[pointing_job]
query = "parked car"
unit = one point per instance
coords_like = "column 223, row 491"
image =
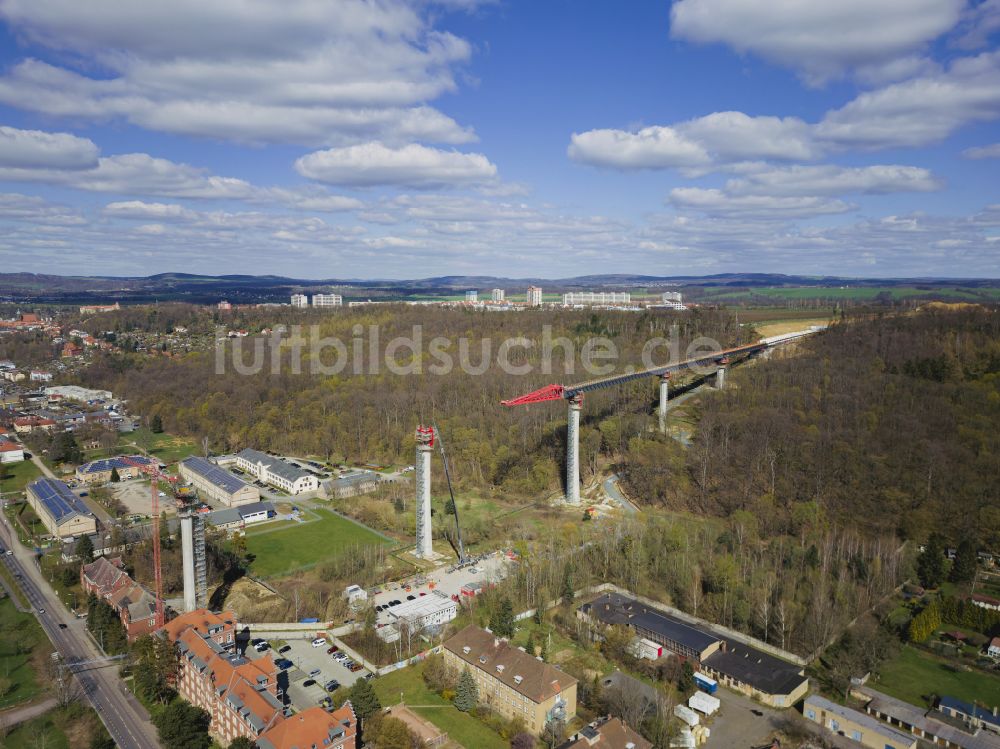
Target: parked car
column 256, row 640
column 355, row 667
column 283, row 663
column 308, row 682
column 315, row 672
column 332, row 686
column 411, row 598
column 319, row 642
column 284, row 648
column 331, row 649
column 261, row 647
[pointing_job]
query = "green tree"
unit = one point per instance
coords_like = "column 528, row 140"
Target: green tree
column 529, row 646
column 466, row 694
column 392, row 733
column 85, row 549
column 69, row 577
column 181, row 725
column 522, row 740
column 242, row 742
column 64, row 448
column 930, row 563
column 964, row 568
column 567, row 593
column 544, row 655
column 685, row 680
column 502, row 622
column 364, row 699
column 156, row 424
column 115, row 478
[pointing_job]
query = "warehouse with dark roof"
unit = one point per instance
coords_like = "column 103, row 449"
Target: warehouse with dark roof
column 217, row 483
column 740, row 667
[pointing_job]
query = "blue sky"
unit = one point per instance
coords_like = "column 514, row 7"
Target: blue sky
column 398, row 139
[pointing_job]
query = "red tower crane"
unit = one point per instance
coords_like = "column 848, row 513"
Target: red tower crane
column 152, row 470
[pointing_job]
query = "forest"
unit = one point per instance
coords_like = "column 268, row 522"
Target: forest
column 370, row 418
column 888, row 424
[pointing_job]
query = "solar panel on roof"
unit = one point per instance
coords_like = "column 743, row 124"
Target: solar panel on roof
column 57, row 498
column 215, row 475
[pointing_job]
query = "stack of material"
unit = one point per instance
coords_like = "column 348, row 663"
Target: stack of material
column 704, row 703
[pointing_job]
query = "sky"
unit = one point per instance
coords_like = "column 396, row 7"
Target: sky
column 414, row 138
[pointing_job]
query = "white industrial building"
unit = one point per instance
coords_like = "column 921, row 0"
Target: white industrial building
column 574, row 298
column 77, row 393
column 276, row 472
column 217, row 483
column 327, row 300
column 425, row 611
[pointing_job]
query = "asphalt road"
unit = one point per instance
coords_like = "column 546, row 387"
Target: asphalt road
column 126, row 720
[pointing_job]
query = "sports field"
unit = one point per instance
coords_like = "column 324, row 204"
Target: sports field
column 284, row 548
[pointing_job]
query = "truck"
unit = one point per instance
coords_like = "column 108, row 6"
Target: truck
column 705, row 683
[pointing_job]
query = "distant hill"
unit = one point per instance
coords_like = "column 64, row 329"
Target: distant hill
column 240, row 288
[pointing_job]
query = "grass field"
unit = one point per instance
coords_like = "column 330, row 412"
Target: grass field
column 780, row 327
column 62, row 728
column 914, row 676
column 20, row 634
column 461, row 727
column 18, row 475
column 296, row 545
column 852, row 293
column 167, row 447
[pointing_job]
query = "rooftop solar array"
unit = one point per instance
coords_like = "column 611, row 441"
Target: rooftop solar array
column 58, row 499
column 212, row 473
column 107, row 464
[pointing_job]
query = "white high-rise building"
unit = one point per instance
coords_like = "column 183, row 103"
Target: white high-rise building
column 300, row 300
column 534, row 296
column 596, row 297
column 673, row 300
column 327, row 300
column 498, row 295
column 472, row 296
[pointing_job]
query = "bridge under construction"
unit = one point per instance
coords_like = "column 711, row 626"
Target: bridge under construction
column 573, row 394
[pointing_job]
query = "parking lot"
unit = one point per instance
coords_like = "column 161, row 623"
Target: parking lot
column 489, row 569
column 135, row 496
column 305, row 659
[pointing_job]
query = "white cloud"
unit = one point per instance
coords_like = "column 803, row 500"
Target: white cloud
column 919, row 111
column 378, row 164
column 648, row 148
column 33, row 149
column 820, row 39
column 305, row 71
column 991, row 151
column 754, row 207
column 137, row 209
column 829, row 179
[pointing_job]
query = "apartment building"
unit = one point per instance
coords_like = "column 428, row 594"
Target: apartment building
column 534, row 296
column 276, row 472
column 574, row 298
column 512, row 682
column 300, row 300
column 135, row 606
column 314, row 727
column 497, row 295
column 327, row 300
column 220, row 627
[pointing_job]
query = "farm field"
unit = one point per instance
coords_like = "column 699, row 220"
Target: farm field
column 461, row 727
column 20, row 635
column 18, row 475
column 780, row 327
column 914, row 675
column 293, row 546
column 853, row 293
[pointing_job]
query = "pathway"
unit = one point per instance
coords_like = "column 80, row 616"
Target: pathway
column 15, row 715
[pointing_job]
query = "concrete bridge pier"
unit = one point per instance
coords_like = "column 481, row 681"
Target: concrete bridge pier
column 573, row 450
column 664, row 394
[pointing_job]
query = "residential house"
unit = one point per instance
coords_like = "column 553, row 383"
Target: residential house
column 31, row 424
column 607, row 733
column 135, row 606
column 992, row 650
column 931, row 727
column 974, row 716
column 511, row 681
column 10, row 452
